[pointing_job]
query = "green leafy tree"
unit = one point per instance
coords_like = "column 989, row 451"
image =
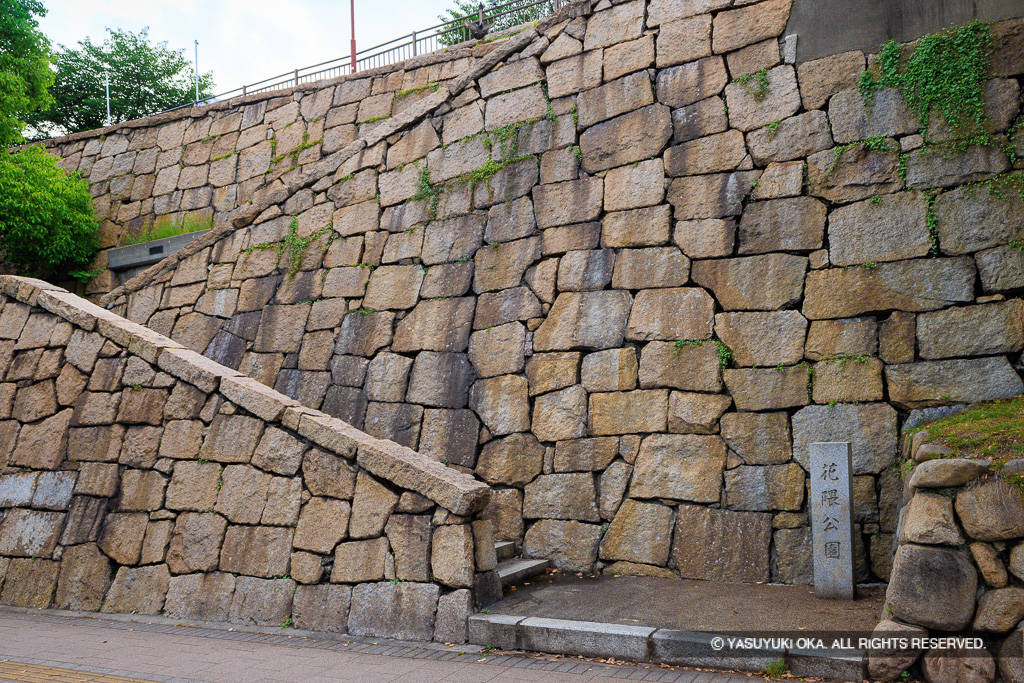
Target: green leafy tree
column 25, row 72
column 511, row 14
column 145, row 78
column 47, row 224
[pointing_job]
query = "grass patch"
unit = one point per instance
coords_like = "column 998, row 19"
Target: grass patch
column 991, row 430
column 166, row 226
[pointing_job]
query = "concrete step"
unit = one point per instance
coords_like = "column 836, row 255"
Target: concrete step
column 632, row 643
column 516, row 570
column 506, row 550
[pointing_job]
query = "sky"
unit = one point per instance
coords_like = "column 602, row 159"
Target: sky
column 244, row 41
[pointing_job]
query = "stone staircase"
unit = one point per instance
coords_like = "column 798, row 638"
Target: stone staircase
column 512, row 569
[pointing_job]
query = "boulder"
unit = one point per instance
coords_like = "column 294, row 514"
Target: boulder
column 999, row 611
column 991, row 511
column 641, row 532
column 889, row 663
column 721, row 545
column 946, row 473
column 932, row 587
column 679, row 467
column 402, row 610
column 571, row 546
column 966, row 666
column 929, row 520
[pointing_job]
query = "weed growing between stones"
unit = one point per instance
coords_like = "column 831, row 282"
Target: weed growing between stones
column 777, row 668
column 932, row 220
column 756, row 84
column 773, row 128
column 293, row 244
column 945, row 74
column 294, row 154
column 431, row 86
column 724, row 352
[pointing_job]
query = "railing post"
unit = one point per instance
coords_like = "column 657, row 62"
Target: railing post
column 244, row 93
column 414, row 43
column 296, row 78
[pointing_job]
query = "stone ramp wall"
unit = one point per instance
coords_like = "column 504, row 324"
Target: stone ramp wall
column 217, row 161
column 958, row 571
column 137, row 476
column 626, row 289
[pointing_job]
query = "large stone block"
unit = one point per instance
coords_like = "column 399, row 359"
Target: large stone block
column 752, row 24
column 870, row 429
column 562, row 496
column 43, row 445
column 711, row 154
column 585, row 455
column 450, row 436
column 499, row 350
column 768, row 389
column 576, row 201
column 711, row 196
column 452, row 555
column 363, row 334
column 696, row 413
column 796, row 224
column 360, row 561
column 932, row 587
column 200, row 597
column 243, row 494
column 641, row 532
column 686, row 84
column 847, row 380
column 139, row 590
column 628, row 412
column 611, row 370
column 750, row 107
column 760, row 283
column 834, row 338
column 916, row 285
column 758, row 438
column 372, row 505
column 322, row 608
column 440, row 379
column 641, row 268
column 585, row 319
column 935, row 383
column 888, row 116
column 631, row 187
column 763, row 339
column 616, row 25
column 30, row 533
column 983, row 330
column 322, row 524
column 571, row 546
column 261, row 602
column 676, row 313
column 85, row 576
column 231, row 438
column 502, row 403
column 794, row 558
column 690, row 367
column 638, row 135
column 435, row 325
column 765, row 489
column 614, row 98
column 515, row 460
column 890, row 228
column 560, row 415
column 679, row 467
column 991, row 511
column 30, row 583
column 196, row 543
column 256, row 551
column 405, row 610
column 720, row 545
column 409, row 536
column 858, row 173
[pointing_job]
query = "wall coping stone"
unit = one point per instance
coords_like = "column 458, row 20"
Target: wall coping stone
column 456, row 491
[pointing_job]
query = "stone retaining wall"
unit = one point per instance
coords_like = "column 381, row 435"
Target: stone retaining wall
column 959, row 570
column 623, row 287
column 137, row 476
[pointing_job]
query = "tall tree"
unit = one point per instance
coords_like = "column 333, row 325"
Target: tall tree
column 25, row 71
column 504, row 14
column 145, row 78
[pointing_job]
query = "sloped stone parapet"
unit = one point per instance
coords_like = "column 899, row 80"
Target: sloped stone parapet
column 226, row 488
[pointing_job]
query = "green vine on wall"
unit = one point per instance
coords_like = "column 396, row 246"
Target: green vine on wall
column 944, row 74
column 293, row 244
column 756, row 84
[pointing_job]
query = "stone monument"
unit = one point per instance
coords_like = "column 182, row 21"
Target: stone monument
column 832, row 520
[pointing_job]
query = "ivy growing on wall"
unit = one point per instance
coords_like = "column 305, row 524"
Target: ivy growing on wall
column 943, row 74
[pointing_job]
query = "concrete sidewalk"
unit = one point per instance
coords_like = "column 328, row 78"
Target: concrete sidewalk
column 58, row 647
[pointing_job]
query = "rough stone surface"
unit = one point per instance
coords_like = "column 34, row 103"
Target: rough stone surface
column 571, row 546
column 720, row 545
column 932, row 587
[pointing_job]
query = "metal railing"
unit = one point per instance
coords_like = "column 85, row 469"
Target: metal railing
column 411, row 45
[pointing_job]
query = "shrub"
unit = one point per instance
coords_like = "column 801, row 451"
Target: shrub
column 47, row 224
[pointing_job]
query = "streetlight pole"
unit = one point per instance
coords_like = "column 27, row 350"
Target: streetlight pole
column 108, row 97
column 197, row 72
column 353, row 36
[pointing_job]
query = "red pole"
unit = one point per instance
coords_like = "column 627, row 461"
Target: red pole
column 353, row 36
